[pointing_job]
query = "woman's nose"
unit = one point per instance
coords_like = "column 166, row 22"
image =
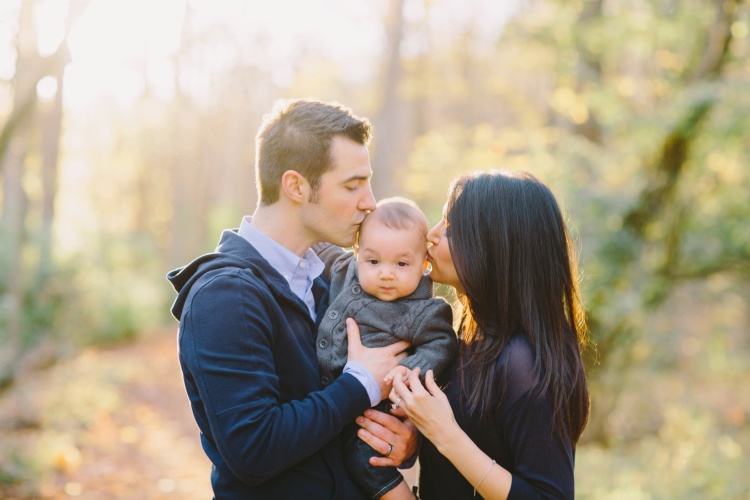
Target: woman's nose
column 433, row 237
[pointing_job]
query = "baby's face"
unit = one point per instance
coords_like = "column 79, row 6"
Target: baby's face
column 390, row 261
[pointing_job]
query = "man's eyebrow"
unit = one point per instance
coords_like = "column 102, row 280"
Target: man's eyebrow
column 357, row 178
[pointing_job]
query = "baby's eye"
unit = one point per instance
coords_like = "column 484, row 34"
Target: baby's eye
column 403, row 264
column 374, row 262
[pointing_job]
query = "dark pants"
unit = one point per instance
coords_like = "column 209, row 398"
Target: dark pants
column 373, row 481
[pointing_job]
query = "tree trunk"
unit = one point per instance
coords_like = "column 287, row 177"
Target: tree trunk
column 51, row 118
column 14, row 196
column 589, row 69
column 389, row 141
column 51, row 123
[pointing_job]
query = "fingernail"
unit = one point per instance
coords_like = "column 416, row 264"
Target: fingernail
column 360, row 420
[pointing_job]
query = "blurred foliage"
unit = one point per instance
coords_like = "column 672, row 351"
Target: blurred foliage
column 680, row 429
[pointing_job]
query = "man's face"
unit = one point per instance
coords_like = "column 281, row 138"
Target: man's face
column 344, row 195
column 390, row 262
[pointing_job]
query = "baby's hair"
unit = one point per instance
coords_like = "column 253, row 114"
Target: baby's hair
column 397, row 213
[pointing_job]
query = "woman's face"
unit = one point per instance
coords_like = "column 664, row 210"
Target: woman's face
column 439, row 257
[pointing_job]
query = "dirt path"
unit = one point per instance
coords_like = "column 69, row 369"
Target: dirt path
column 107, row 424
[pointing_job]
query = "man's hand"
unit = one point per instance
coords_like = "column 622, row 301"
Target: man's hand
column 379, row 360
column 380, row 430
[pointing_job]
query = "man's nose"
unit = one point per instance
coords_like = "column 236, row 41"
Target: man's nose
column 368, row 200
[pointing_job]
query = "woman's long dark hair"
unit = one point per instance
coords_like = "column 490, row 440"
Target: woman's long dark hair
column 515, row 260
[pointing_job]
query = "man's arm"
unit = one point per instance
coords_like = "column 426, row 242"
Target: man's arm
column 243, row 357
column 246, row 360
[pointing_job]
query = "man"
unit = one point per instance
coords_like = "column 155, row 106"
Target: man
column 249, row 313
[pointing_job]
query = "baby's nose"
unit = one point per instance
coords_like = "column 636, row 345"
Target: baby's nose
column 386, row 273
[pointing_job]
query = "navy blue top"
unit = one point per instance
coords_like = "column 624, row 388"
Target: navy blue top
column 519, row 437
column 247, row 352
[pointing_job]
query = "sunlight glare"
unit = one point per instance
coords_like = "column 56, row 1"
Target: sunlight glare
column 49, row 17
column 8, row 29
column 114, row 44
column 46, row 88
column 347, row 32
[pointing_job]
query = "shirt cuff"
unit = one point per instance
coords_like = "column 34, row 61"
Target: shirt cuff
column 366, row 378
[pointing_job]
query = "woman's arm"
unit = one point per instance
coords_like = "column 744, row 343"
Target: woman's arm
column 428, row 408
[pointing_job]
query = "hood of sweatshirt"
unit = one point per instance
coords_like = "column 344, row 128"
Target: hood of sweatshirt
column 233, row 251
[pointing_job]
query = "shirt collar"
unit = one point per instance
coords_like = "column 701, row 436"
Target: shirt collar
column 280, row 257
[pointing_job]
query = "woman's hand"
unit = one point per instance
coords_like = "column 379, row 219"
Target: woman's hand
column 429, row 409
column 381, row 431
column 400, row 371
column 426, row 406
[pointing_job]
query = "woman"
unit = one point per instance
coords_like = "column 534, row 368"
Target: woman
column 517, row 402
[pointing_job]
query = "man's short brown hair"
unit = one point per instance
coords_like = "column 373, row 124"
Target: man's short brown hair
column 297, row 136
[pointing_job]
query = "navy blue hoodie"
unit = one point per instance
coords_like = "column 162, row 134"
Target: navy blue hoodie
column 247, row 350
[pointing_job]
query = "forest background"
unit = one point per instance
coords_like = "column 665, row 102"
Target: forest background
column 127, row 144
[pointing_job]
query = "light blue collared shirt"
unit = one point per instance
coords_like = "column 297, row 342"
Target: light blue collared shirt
column 300, row 272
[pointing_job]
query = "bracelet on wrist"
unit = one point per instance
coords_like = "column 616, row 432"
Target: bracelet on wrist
column 483, row 477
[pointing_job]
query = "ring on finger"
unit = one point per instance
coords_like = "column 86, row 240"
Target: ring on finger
column 390, row 450
column 398, row 402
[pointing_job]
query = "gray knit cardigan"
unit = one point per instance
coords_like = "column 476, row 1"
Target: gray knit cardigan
column 421, row 319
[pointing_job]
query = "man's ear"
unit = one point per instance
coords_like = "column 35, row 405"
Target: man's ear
column 294, row 186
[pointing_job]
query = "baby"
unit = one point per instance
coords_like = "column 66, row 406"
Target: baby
column 384, row 286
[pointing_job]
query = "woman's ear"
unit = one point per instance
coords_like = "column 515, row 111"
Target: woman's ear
column 294, row 186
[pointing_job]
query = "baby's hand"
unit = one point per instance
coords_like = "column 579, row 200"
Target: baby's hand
column 400, row 371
